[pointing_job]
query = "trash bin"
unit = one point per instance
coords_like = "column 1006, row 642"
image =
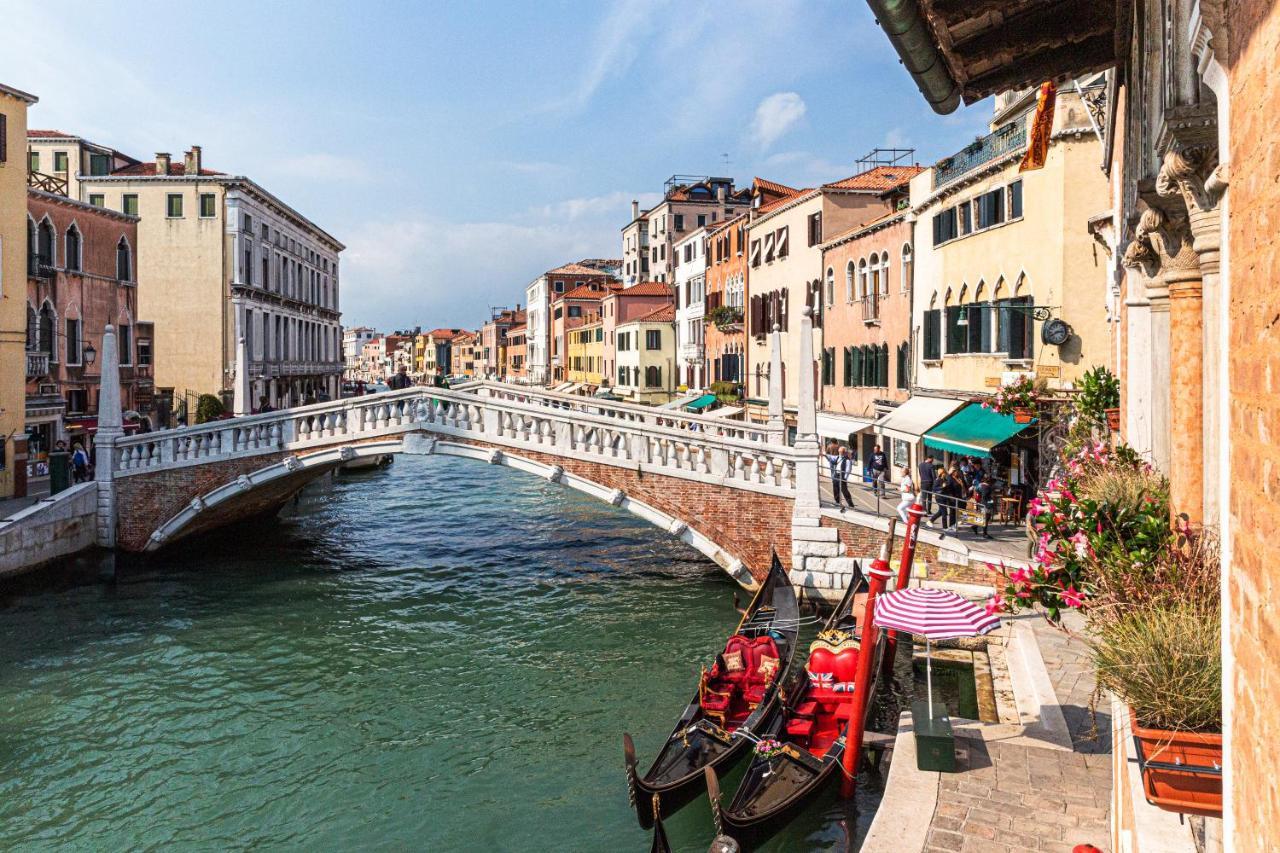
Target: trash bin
column 59, row 471
column 935, row 742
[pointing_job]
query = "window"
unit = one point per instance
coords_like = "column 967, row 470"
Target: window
column 815, row 228
column 247, row 270
column 208, row 206
column 173, row 206
column 1015, row 200
column 59, row 161
column 99, row 164
column 144, row 352
column 1015, row 328
column 248, row 220
column 74, row 345
column 903, row 379
column 653, row 376
column 831, row 286
column 966, row 218
column 97, row 199
column 125, row 335
column 990, row 208
column 829, row 366
column 72, row 254
column 908, row 267
column 33, row 157
column 933, row 334
column 124, row 262
column 702, row 220
column 653, row 339
column 129, row 204
column 783, row 233
column 679, row 221
column 44, row 243
column 944, row 226
column 755, row 252
column 558, row 287
column 575, row 310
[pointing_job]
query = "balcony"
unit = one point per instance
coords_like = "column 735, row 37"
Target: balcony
column 56, row 184
column 871, row 308
column 37, row 364
column 1004, row 140
column 39, row 266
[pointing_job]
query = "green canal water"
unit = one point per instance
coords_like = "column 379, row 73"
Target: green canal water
column 439, row 656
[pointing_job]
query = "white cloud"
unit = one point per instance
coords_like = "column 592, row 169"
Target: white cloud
column 776, row 115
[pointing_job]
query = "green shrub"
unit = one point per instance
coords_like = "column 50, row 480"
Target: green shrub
column 1099, row 391
column 208, row 408
column 1166, row 663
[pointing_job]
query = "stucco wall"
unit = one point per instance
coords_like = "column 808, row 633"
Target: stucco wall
column 49, row 529
column 13, row 283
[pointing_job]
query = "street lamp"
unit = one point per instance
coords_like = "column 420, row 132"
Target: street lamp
column 89, row 354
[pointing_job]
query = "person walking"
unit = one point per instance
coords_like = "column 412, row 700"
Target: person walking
column 984, row 497
column 80, row 463
column 926, row 483
column 879, row 471
column 906, row 492
column 400, row 380
column 840, row 483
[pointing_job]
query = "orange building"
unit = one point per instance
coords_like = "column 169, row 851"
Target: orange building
column 726, row 295
column 516, row 349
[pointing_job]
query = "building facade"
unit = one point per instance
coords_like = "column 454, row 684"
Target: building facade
column 725, row 342
column 517, row 354
column 353, row 341
column 491, row 357
column 570, row 310
column 585, row 353
column 689, row 202
column 626, row 305
column 13, row 277
column 690, row 260
column 645, row 354
column 60, row 162
column 224, row 259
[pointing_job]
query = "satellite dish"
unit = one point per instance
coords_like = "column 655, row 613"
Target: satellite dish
column 1055, row 333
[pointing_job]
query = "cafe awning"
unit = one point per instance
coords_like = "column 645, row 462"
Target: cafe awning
column 701, row 403
column 727, row 412
column 916, row 417
column 973, row 431
column 680, row 402
column 838, row 425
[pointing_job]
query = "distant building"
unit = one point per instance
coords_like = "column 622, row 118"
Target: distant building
column 464, row 353
column 570, row 310
column 353, row 341
column 725, row 342
column 516, row 353
column 491, row 357
column 690, row 259
column 645, row 356
column 545, row 290
column 624, row 306
column 689, row 202
column 585, row 355
column 61, row 162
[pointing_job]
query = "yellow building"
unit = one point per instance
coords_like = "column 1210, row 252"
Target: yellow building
column 13, row 287
column 585, row 354
column 220, row 258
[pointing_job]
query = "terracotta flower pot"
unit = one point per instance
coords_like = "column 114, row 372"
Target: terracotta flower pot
column 1113, row 420
column 1196, row 790
column 1023, row 415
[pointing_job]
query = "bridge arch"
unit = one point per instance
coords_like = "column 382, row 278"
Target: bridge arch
column 268, row 487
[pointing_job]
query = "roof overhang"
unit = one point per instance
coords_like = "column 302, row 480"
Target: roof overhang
column 970, row 49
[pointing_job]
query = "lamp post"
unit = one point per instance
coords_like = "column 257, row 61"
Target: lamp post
column 89, row 355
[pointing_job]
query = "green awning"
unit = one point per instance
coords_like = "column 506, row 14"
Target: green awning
column 973, row 431
column 701, row 403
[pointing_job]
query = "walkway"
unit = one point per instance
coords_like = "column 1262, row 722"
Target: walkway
column 1012, row 797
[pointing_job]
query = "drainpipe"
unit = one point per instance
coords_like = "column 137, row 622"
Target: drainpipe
column 905, row 26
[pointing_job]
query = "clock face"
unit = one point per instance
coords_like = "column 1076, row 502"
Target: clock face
column 1055, row 333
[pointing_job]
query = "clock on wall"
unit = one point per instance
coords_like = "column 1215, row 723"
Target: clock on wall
column 1055, row 333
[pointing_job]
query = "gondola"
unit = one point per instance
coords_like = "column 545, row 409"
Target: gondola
column 738, row 694
column 811, row 729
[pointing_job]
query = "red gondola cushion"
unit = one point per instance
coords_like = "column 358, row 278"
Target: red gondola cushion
column 800, row 727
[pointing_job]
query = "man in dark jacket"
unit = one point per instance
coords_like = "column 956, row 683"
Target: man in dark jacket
column 879, row 470
column 400, row 380
column 925, row 470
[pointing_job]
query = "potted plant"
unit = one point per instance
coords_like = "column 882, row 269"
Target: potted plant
column 1020, row 398
column 723, row 316
column 1099, row 400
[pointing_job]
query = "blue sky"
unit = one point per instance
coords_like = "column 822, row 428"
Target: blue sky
column 460, row 149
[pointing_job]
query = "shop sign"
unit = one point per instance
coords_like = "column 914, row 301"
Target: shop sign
column 993, row 382
column 1048, row 371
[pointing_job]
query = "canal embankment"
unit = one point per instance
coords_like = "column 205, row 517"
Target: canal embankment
column 49, row 529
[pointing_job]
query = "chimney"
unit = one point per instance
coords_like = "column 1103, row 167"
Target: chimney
column 720, row 193
column 162, row 163
column 193, row 160
column 517, row 306
column 635, row 210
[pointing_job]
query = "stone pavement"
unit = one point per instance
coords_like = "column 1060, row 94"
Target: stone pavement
column 1012, row 797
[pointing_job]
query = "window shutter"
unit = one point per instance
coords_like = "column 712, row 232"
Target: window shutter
column 4, row 138
column 884, row 366
column 782, row 241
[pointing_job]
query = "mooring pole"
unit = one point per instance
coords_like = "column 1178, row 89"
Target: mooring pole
column 904, row 577
column 878, row 576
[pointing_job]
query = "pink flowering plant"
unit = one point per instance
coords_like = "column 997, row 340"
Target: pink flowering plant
column 1021, row 393
column 768, row 747
column 1102, row 536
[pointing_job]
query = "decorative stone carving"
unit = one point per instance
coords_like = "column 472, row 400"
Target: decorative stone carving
column 197, row 504
column 244, row 483
column 555, row 474
column 347, row 453
column 1190, row 173
column 292, row 463
column 495, row 456
column 1161, row 247
column 158, row 537
column 617, row 497
column 678, row 527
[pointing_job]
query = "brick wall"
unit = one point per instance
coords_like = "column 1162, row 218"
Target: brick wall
column 1254, row 572
column 862, row 541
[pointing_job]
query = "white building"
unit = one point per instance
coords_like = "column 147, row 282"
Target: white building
column 353, row 341
column 537, row 358
column 690, row 271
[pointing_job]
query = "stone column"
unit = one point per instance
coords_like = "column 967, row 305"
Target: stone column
column 1191, row 176
column 806, row 422
column 110, row 430
column 775, row 384
column 243, row 405
column 1162, row 247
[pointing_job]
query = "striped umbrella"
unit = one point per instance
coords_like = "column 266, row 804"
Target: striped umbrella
column 934, row 614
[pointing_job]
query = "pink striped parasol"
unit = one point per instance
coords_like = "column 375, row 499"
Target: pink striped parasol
column 934, row 614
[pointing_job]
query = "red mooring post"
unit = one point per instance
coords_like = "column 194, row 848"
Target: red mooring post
column 878, row 576
column 909, row 538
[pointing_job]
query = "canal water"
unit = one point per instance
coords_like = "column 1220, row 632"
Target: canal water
column 439, row 656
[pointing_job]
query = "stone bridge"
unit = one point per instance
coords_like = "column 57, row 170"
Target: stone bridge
column 735, row 491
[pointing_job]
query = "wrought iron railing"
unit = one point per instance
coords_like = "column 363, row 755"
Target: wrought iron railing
column 1004, row 140
column 871, row 307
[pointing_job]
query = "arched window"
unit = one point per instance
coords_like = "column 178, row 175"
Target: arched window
column 33, row 329
column 862, row 279
column 884, row 273
column 44, row 243
column 48, row 322
column 124, row 261
column 32, row 247
column 908, row 267
column 72, row 253
column 831, row 286
column 848, row 282
column 875, row 274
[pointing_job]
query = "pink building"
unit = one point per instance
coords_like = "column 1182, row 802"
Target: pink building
column 624, row 306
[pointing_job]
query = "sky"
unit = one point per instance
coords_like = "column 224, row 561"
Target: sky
column 459, row 150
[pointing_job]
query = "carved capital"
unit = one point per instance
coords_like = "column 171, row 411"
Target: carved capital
column 1162, row 245
column 1187, row 171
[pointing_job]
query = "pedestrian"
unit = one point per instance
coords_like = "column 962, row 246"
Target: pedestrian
column 400, row 380
column 79, row 463
column 264, row 405
column 879, row 471
column 840, row 484
column 984, row 497
column 906, row 492
column 926, row 483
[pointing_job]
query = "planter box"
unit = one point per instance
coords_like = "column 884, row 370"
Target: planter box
column 1023, row 416
column 1181, row 771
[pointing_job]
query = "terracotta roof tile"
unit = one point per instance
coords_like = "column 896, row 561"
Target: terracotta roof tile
column 146, row 170
column 49, row 134
column 796, row 195
column 878, row 179
column 586, row 292
column 661, row 314
column 773, row 187
column 647, row 288
column 443, row 333
column 575, row 269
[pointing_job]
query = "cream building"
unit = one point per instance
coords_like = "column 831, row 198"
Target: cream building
column 13, row 286
column 1003, row 257
column 57, row 161
column 645, row 353
column 222, row 258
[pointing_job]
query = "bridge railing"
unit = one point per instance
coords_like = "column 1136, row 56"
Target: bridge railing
column 629, row 411
column 684, row 449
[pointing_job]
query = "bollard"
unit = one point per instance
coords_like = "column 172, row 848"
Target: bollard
column 879, row 575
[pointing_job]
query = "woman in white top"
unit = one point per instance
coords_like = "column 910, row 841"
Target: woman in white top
column 907, row 488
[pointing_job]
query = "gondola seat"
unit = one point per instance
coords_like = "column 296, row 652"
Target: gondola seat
column 800, row 727
column 724, row 683
column 765, row 662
